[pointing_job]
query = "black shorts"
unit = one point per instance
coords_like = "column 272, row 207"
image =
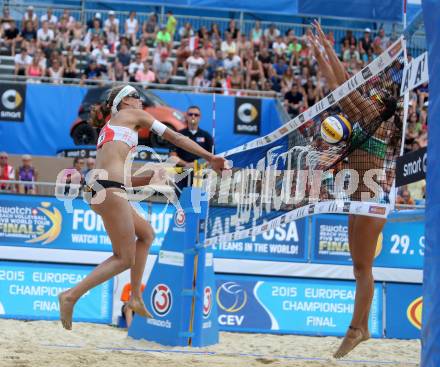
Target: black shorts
column 102, row 184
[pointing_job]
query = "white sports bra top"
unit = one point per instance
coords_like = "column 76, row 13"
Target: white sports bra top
column 117, row 133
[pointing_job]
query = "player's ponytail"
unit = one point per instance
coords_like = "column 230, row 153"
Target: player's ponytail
column 99, row 112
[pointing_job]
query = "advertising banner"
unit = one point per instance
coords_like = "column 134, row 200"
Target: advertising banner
column 411, row 167
column 32, row 221
column 401, row 244
column 285, row 243
column 404, row 305
column 12, row 102
column 30, row 291
column 291, row 305
column 43, row 222
column 247, row 116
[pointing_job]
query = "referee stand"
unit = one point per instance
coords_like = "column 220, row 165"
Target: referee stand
column 180, row 292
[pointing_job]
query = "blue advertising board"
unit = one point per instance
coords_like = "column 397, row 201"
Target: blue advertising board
column 288, row 242
column 291, row 305
column 403, row 310
column 30, row 291
column 401, row 244
column 43, row 222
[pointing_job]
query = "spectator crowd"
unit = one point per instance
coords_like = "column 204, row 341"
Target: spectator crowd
column 125, row 50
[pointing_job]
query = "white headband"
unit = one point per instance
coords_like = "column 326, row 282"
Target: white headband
column 124, row 92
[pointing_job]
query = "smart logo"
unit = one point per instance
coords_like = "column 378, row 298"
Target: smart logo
column 161, row 299
column 11, row 99
column 247, row 113
column 12, row 102
column 207, row 302
column 414, row 312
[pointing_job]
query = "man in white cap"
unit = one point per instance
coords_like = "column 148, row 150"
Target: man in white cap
column 97, row 17
column 30, row 15
column 365, row 43
column 111, row 21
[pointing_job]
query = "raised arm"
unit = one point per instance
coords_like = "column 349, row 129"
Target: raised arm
column 144, row 119
column 354, row 104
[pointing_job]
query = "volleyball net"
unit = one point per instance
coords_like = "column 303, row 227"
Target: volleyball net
column 294, row 172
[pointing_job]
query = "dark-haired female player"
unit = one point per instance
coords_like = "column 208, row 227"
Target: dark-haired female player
column 369, row 153
column 130, row 234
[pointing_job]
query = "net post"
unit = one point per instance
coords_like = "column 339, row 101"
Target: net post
column 180, row 292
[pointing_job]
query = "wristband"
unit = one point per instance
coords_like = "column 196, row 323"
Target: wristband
column 158, row 128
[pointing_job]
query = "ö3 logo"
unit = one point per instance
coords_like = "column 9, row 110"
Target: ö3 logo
column 207, row 302
column 161, row 299
column 179, row 218
column 231, row 297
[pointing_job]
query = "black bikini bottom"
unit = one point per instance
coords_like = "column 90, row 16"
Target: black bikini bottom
column 102, row 184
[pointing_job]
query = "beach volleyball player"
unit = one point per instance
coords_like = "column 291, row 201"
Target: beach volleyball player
column 363, row 231
column 130, row 235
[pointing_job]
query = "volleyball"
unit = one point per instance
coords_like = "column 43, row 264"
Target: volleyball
column 335, row 129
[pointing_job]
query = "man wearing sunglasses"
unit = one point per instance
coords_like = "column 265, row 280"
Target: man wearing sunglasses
column 199, row 136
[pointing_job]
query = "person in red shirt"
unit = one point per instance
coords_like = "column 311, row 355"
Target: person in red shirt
column 7, row 172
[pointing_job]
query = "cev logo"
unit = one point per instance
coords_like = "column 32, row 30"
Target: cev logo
column 379, row 245
column 231, row 297
column 414, row 312
column 179, row 218
column 11, row 99
column 207, row 302
column 161, row 299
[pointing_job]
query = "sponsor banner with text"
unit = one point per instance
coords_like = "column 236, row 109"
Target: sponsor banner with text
column 43, row 222
column 286, row 242
column 30, row 291
column 400, row 245
column 291, row 305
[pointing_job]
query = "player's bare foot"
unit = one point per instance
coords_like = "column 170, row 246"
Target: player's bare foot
column 138, row 306
column 66, row 310
column 352, row 339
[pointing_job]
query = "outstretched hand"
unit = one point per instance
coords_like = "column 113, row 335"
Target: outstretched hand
column 320, row 35
column 316, row 48
column 218, row 164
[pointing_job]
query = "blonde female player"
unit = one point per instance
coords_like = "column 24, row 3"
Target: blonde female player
column 130, row 234
column 363, row 231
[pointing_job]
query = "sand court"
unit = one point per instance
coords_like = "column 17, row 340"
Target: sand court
column 46, row 343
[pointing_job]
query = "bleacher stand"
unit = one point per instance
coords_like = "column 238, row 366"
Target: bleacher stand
column 53, row 46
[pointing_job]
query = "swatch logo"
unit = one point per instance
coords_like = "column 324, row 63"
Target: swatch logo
column 414, row 312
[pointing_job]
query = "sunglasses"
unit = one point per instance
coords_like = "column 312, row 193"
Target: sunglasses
column 193, row 114
column 3, row 157
column 134, row 95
